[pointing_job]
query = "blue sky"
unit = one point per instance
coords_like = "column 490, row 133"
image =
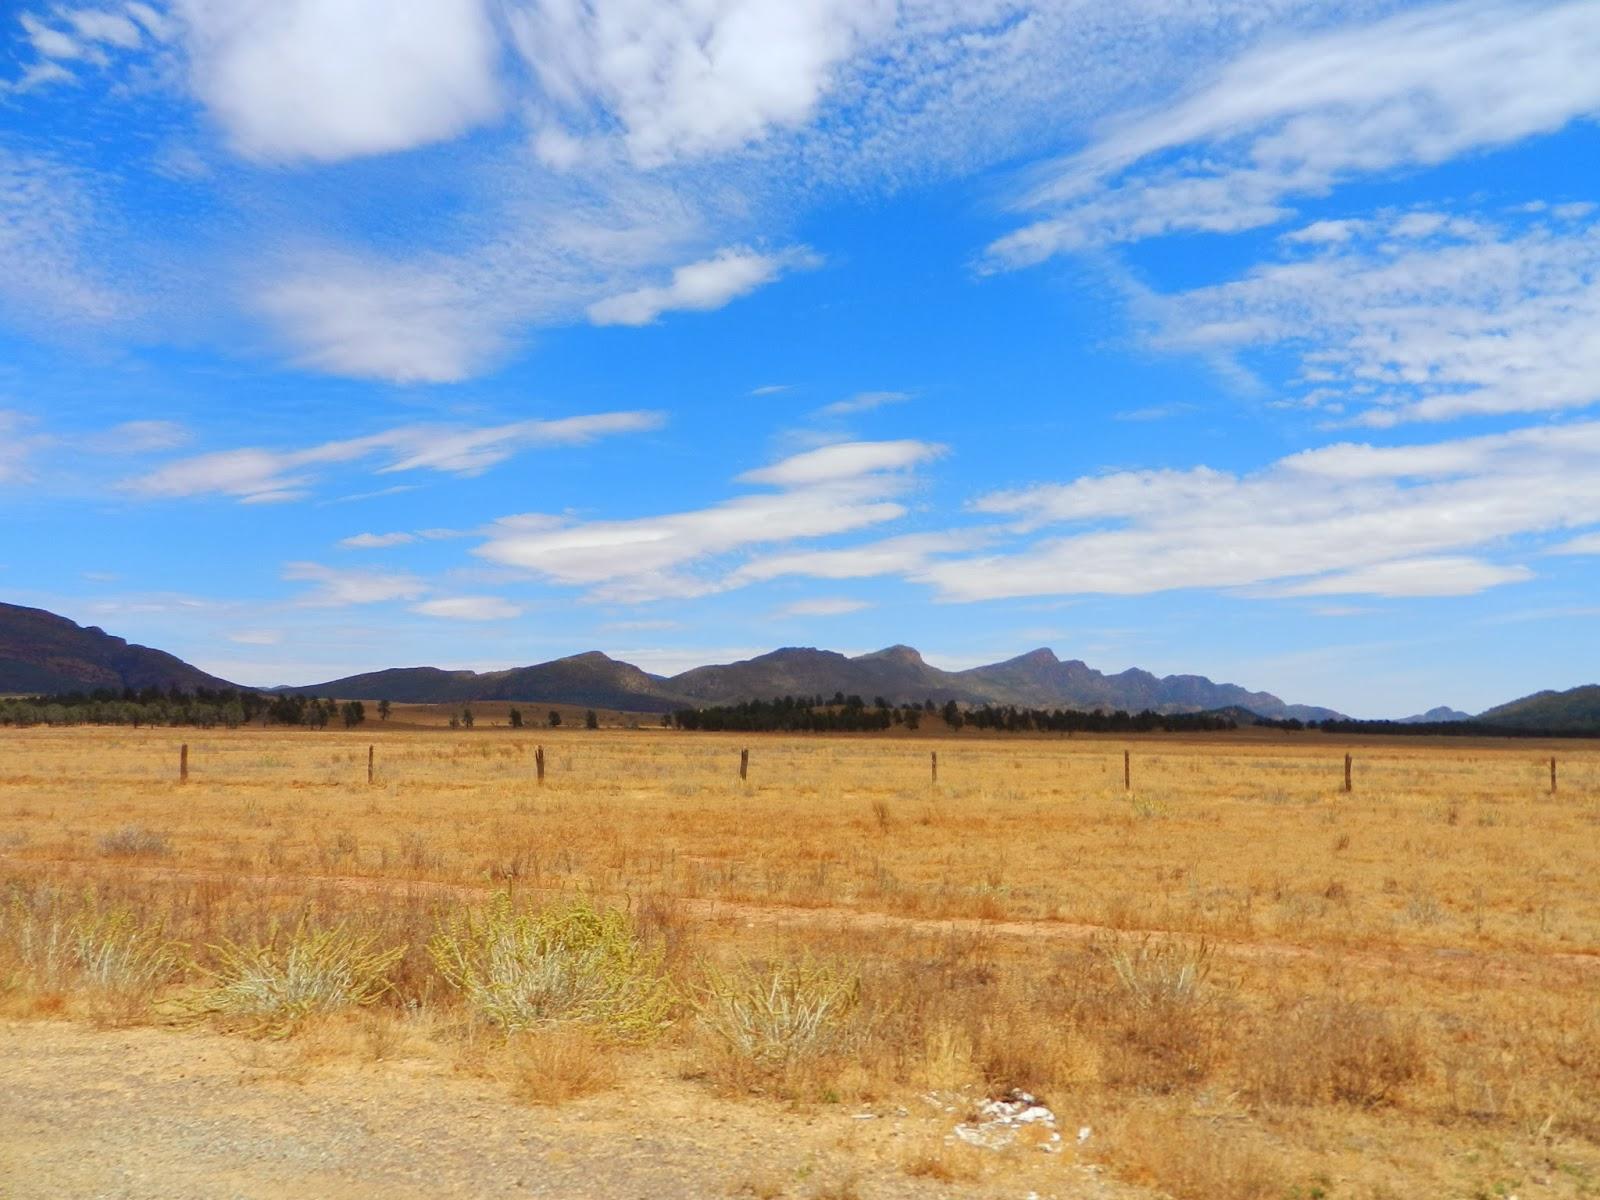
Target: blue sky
column 1249, row 339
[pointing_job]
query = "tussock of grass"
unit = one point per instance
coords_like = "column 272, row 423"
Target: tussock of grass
column 54, row 942
column 271, row 988
column 773, row 1017
column 135, row 841
column 1161, row 973
column 573, row 963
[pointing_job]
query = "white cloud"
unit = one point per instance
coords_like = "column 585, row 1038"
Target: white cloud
column 334, row 79
column 136, row 437
column 685, row 78
column 1345, row 518
column 771, row 389
column 1589, row 543
column 49, row 222
column 47, row 40
column 863, row 402
column 1447, row 576
column 17, row 446
column 377, row 541
column 469, row 608
column 831, row 491
column 266, row 476
column 822, row 607
column 1298, row 117
column 907, row 554
column 103, row 25
column 256, row 637
column 400, row 323
column 338, row 588
column 1422, row 316
column 700, row 286
column 844, row 461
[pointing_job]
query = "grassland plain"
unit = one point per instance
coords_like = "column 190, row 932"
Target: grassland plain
column 1237, row 979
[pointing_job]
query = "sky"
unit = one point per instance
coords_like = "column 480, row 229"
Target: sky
column 1257, row 339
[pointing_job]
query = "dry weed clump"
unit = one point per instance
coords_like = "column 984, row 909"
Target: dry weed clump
column 135, row 841
column 769, row 1023
column 558, row 1064
column 575, row 962
column 1332, row 1050
column 270, row 988
column 1191, row 1157
column 53, row 944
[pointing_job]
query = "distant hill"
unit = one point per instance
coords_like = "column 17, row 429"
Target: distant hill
column 897, row 674
column 46, row 654
column 591, row 679
column 1436, row 716
column 1574, row 711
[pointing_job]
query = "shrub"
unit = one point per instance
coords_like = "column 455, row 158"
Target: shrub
column 1336, row 1050
column 135, row 841
column 123, row 962
column 574, row 962
column 775, row 1016
column 271, row 988
column 1161, row 972
column 53, row 944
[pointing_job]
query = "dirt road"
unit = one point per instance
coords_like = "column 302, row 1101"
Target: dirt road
column 188, row 1115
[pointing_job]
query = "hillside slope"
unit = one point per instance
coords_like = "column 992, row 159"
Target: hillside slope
column 41, row 652
column 1576, row 710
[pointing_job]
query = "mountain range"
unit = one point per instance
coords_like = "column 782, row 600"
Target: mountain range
column 898, row 674
column 43, row 653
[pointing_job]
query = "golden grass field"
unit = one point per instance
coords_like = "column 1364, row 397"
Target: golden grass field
column 1241, row 981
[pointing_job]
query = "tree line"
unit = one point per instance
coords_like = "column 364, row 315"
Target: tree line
column 851, row 714
column 203, row 708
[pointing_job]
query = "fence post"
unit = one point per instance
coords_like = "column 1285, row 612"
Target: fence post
column 538, row 763
column 744, row 764
column 935, row 763
column 369, row 765
column 1552, row 774
column 183, row 763
column 1347, row 773
column 1127, row 771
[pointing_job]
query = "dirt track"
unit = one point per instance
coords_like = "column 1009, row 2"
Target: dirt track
column 151, row 1114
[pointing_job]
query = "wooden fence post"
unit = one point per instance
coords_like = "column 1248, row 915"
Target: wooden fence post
column 1127, row 771
column 935, row 763
column 183, row 763
column 744, row 764
column 369, row 765
column 1347, row 773
column 538, row 763
column 1552, row 774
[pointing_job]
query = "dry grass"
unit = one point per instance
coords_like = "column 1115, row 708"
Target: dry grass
column 1241, row 979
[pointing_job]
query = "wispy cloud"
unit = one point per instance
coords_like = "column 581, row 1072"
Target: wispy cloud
column 1295, row 119
column 700, row 286
column 833, row 490
column 377, row 541
column 862, row 402
column 469, row 608
column 823, row 606
column 264, row 476
column 1344, row 519
column 335, row 588
column 1417, row 316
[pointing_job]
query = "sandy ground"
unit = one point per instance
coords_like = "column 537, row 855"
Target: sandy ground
column 184, row 1115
